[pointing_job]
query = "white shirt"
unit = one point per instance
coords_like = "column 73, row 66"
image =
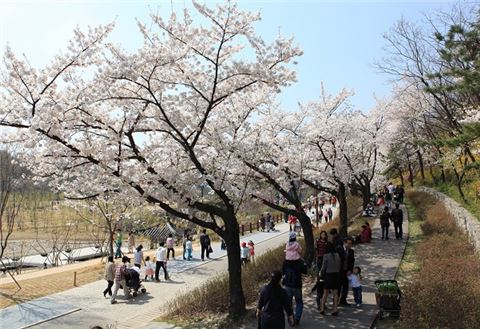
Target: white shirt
column 391, row 189
column 188, row 245
column 245, row 252
column 354, row 280
column 161, row 254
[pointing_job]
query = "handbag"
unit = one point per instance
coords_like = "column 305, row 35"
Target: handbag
column 210, row 250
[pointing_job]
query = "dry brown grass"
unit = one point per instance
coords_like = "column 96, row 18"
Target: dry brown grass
column 445, row 293
column 43, row 286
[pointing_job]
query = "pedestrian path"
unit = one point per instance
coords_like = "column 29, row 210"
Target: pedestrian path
column 90, row 308
column 378, row 260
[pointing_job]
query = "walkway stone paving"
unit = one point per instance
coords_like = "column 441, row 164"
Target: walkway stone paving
column 137, row 312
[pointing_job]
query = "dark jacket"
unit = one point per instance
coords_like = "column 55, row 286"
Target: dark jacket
column 349, row 260
column 204, row 240
column 397, row 216
column 385, row 218
column 273, row 301
column 292, row 273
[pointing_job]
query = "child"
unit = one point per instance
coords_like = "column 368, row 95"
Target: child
column 148, row 268
column 244, row 253
column 293, row 248
column 170, row 243
column 251, row 247
column 354, row 279
column 189, row 248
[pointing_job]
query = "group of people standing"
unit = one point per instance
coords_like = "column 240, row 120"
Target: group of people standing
column 116, row 274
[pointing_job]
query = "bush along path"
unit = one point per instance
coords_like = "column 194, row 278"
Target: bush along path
column 448, row 273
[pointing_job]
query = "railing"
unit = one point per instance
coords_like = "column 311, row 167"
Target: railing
column 250, row 227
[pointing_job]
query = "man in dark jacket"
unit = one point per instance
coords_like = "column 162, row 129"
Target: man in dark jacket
column 205, row 244
column 385, row 218
column 397, row 218
column 347, row 255
column 292, row 281
column 272, row 303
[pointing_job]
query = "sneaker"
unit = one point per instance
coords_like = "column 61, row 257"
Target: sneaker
column 358, row 305
column 113, row 301
column 296, row 322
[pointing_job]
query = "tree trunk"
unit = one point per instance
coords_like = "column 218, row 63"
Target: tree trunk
column 434, row 178
column 400, row 174
column 459, row 184
column 342, row 200
column 308, row 236
column 110, row 242
column 420, row 162
column 366, row 193
column 411, row 174
column 444, row 178
column 237, row 300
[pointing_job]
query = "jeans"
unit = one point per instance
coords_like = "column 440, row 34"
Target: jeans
column 357, row 295
column 109, row 288
column 168, row 252
column 398, row 230
column 297, row 294
column 157, row 269
column 118, row 252
column 384, row 232
column 189, row 254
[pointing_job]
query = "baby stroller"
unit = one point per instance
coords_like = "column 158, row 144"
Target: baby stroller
column 134, row 284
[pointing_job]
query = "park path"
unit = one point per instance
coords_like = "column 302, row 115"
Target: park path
column 379, row 260
column 84, row 307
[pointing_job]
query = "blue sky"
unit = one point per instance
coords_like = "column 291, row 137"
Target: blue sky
column 340, row 39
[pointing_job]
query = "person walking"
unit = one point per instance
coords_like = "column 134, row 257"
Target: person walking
column 330, row 214
column 205, row 244
column 397, row 218
column 120, row 280
column 251, row 247
column 273, row 304
column 385, row 218
column 348, row 262
column 244, row 253
column 189, row 247
column 161, row 261
column 131, row 242
column 109, row 276
column 330, row 273
column 400, row 193
column 138, row 257
column 149, row 271
column 118, row 244
column 170, row 246
column 320, row 247
column 292, row 281
column 184, row 242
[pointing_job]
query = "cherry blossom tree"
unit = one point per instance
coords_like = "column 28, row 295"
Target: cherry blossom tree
column 161, row 121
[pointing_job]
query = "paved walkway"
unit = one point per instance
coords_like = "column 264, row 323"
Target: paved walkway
column 378, row 260
column 87, row 307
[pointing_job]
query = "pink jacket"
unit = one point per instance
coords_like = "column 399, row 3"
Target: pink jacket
column 293, row 250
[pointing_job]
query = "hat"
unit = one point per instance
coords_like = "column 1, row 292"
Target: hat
column 292, row 235
column 244, row 244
